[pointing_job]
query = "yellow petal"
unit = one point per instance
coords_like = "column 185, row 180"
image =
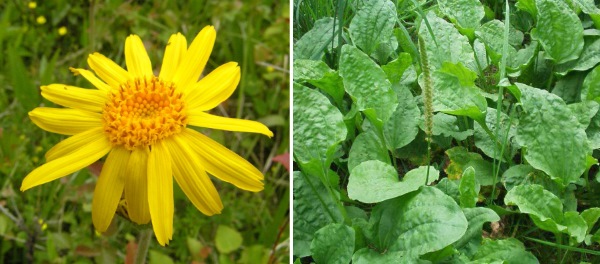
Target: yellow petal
column 136, row 57
column 108, row 70
column 160, row 192
column 202, row 119
column 195, row 58
column 65, row 121
column 174, row 54
column 71, row 144
column 109, row 188
column 75, row 97
column 224, row 163
column 192, row 178
column 91, row 77
column 94, row 149
column 215, row 88
column 136, row 187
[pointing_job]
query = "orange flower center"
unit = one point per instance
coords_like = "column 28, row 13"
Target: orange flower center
column 143, row 111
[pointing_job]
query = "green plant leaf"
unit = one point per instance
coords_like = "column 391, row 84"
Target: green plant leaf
column 584, row 112
column 476, row 217
column 313, row 209
column 321, row 76
column 558, row 30
column 486, row 144
column 561, row 153
column 576, row 226
column 368, row 256
column 25, row 91
column 590, row 57
column 318, row 125
column 468, row 189
column 373, row 24
column 395, row 69
column 334, row 243
column 455, row 93
column 491, row 34
column 543, row 207
column 451, row 45
column 374, row 181
column 312, row 44
column 506, row 250
column 461, row 159
column 591, row 216
column 402, row 127
column 447, row 126
column 591, row 86
column 367, row 83
column 467, row 13
column 227, row 239
column 367, row 146
column 417, row 223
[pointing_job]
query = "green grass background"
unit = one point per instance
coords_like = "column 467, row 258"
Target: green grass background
column 52, row 223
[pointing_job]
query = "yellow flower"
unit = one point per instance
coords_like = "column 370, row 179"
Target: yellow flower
column 142, row 122
column 62, row 31
column 41, row 20
column 32, row 5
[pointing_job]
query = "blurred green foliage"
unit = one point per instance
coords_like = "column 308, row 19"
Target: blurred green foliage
column 52, row 223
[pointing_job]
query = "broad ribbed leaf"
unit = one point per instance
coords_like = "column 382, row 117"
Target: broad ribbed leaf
column 373, row 24
column 543, row 207
column 417, row 223
column 374, row 181
column 558, row 30
column 321, row 76
column 488, row 146
column 591, row 86
column 467, row 13
column 451, row 45
column 318, row 125
column 333, row 244
column 508, row 250
column 590, row 57
column 402, row 127
column 367, row 146
column 476, row 217
column 312, row 208
column 312, row 44
column 553, row 137
column 368, row 256
column 468, row 189
column 366, row 83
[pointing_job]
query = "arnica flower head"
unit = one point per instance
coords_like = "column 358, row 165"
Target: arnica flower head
column 142, row 122
column 62, row 31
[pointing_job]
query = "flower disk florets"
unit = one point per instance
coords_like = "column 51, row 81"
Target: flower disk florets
column 143, row 111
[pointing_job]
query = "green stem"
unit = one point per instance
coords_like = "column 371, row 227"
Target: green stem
column 143, row 245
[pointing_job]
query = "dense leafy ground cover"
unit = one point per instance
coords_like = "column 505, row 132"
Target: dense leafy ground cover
column 449, row 131
column 52, row 223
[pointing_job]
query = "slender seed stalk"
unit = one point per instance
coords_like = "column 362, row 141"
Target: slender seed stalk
column 428, row 101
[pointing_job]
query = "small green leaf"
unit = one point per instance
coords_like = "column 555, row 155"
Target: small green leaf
column 402, row 127
column 318, row 125
column 395, row 69
column 488, row 146
column 468, row 189
column 527, row 6
column 491, row 34
column 558, row 30
column 373, row 24
column 334, row 243
column 508, row 250
column 313, row 209
column 227, row 239
column 467, row 13
column 367, row 83
column 367, row 146
column 374, row 181
column 584, row 112
column 447, row 126
column 419, row 222
column 591, row 216
column 461, row 159
column 591, row 86
column 312, row 44
column 561, row 153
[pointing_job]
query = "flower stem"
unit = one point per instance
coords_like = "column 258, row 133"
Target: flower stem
column 143, row 244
